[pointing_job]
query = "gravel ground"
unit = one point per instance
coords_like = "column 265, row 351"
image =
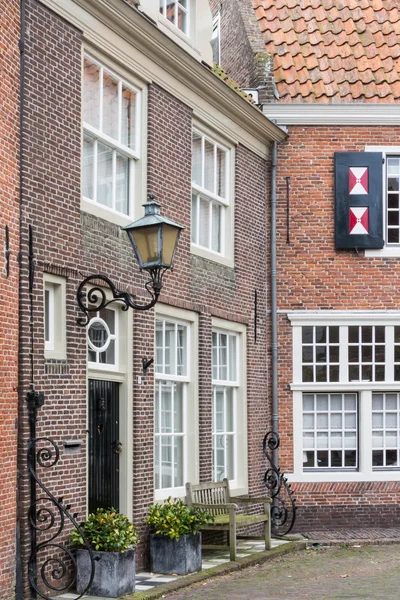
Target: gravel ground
column 367, row 572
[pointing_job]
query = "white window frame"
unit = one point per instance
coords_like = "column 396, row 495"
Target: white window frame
column 98, row 366
column 364, row 389
column 55, row 347
column 190, row 399
column 186, row 10
column 226, row 254
column 392, row 249
column 137, row 175
column 239, row 485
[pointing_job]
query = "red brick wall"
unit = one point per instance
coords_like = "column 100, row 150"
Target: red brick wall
column 9, row 216
column 313, row 276
column 69, row 243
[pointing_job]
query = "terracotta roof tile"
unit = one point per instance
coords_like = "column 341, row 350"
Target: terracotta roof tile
column 333, row 50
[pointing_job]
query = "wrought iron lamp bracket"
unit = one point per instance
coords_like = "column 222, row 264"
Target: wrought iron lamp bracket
column 96, row 298
column 283, row 509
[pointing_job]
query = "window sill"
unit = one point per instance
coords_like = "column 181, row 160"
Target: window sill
column 343, row 477
column 386, row 252
column 212, row 256
column 55, row 355
column 105, row 213
column 160, row 495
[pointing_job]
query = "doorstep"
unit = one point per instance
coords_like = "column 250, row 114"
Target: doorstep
column 215, row 562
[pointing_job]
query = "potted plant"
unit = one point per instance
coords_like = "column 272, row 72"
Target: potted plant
column 175, row 541
column 113, row 539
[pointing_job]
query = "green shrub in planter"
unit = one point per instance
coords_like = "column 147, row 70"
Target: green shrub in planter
column 112, row 538
column 175, row 545
column 174, row 518
column 107, row 531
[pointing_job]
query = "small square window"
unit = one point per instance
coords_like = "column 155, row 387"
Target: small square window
column 54, row 317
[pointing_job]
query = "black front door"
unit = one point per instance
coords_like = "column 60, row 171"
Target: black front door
column 104, row 444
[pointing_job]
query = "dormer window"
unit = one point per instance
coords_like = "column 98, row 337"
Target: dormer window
column 177, row 12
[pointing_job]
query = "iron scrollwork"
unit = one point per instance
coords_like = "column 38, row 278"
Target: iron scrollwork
column 95, row 298
column 47, row 517
column 283, row 509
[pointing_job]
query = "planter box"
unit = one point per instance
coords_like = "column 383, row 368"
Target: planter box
column 175, row 557
column 114, row 573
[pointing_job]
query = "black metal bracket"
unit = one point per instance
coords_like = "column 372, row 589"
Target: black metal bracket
column 47, row 517
column 7, row 252
column 283, row 509
column 146, row 363
column 95, row 299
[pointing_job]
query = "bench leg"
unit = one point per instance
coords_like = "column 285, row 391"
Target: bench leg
column 232, row 536
column 267, row 529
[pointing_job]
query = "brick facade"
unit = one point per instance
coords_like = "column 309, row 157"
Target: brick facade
column 313, row 276
column 9, row 218
column 71, row 244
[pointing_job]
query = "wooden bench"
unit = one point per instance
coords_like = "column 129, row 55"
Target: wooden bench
column 215, row 497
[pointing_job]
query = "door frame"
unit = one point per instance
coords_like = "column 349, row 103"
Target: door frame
column 124, row 376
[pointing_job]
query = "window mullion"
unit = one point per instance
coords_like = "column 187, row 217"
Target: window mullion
column 120, row 112
column 202, row 160
column 215, row 169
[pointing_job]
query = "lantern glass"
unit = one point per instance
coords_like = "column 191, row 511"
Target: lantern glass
column 170, row 237
column 146, row 241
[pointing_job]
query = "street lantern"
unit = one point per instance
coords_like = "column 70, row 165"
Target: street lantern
column 154, row 239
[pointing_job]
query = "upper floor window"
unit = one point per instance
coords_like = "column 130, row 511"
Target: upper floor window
column 177, row 12
column 110, row 138
column 393, row 199
column 210, row 194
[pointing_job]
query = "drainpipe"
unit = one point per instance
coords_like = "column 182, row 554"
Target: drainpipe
column 21, row 45
column 274, row 314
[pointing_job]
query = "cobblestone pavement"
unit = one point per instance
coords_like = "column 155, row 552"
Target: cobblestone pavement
column 323, row 573
column 354, row 534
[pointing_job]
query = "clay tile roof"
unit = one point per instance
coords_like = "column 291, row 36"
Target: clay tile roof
column 333, row 50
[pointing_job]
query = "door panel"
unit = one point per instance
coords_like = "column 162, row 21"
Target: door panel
column 104, row 444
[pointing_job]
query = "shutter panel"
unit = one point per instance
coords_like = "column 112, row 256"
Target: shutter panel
column 358, row 200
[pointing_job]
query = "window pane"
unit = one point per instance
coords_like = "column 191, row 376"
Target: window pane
column 110, row 105
column 47, row 315
column 232, row 358
column 122, row 184
column 91, row 93
column 216, row 228
column 88, row 167
column 170, row 343
column 104, row 175
column 204, row 223
column 182, row 19
column 196, row 159
column 194, row 219
column 181, row 350
column 209, row 182
column 221, row 173
column 178, row 462
column 128, row 130
column 170, row 13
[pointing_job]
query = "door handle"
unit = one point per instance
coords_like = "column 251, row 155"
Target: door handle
column 117, row 447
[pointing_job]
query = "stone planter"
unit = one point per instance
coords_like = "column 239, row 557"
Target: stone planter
column 175, row 557
column 114, row 573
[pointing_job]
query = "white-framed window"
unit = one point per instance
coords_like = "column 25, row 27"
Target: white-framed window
column 391, row 200
column 111, row 139
column 54, row 294
column 176, row 12
column 211, row 197
column 175, row 403
column 103, row 339
column 346, row 394
column 216, row 39
column 229, row 411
